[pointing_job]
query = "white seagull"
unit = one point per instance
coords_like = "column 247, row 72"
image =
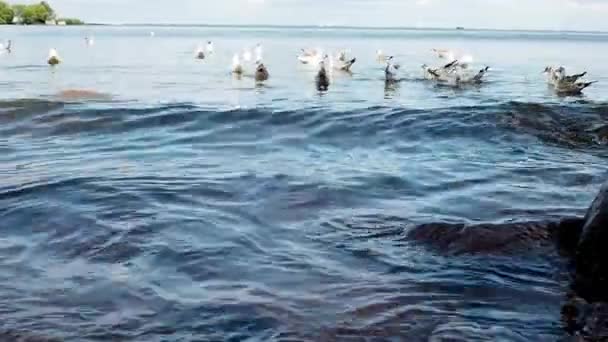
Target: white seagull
column 390, row 72
column 199, row 53
column 237, row 67
column 53, row 57
column 565, row 84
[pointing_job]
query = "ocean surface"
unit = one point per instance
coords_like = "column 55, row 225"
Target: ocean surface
column 187, row 205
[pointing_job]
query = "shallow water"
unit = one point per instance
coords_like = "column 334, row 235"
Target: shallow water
column 193, row 206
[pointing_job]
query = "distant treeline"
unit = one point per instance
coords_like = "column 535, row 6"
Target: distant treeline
column 35, row 14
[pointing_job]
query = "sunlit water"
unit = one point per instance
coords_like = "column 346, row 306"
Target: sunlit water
column 194, row 206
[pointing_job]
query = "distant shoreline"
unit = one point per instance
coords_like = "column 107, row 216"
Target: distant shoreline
column 324, row 27
column 340, row 27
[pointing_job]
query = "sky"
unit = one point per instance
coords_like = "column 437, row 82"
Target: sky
column 493, row 14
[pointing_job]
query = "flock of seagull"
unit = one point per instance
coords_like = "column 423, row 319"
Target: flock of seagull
column 454, row 71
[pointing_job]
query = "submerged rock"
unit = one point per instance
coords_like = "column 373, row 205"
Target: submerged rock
column 508, row 238
column 591, row 279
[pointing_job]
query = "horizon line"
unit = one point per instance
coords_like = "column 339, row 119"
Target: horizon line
column 345, row 27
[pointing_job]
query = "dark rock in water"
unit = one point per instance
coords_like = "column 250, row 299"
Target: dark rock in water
column 508, row 238
column 567, row 233
column 591, row 279
column 596, row 323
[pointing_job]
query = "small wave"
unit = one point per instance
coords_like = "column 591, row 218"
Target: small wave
column 577, row 125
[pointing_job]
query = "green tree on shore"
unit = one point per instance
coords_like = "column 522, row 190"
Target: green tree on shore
column 33, row 14
column 6, row 13
column 18, row 10
column 37, row 14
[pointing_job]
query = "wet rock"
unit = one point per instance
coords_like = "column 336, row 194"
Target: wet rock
column 508, row 238
column 596, row 323
column 591, row 278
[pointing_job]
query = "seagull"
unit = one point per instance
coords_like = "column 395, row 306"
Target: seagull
column 478, row 77
column 53, row 57
column 237, row 67
column 430, row 73
column 199, row 53
column 9, row 46
column 566, row 84
column 258, row 53
column 152, row 34
column 210, row 48
column 261, row 73
column 560, row 73
column 342, row 64
column 461, row 79
column 572, row 88
column 89, row 41
column 322, row 80
column 390, row 72
column 553, row 76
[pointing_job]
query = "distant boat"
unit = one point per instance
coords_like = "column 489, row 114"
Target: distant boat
column 459, row 28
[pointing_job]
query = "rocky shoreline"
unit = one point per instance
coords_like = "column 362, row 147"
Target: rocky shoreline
column 583, row 241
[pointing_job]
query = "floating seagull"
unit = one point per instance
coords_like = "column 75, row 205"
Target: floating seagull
column 261, row 73
column 439, row 73
column 479, row 76
column 390, row 72
column 453, row 74
column 259, row 51
column 566, row 84
column 90, row 41
column 53, row 57
column 322, row 80
column 574, row 88
column 435, row 74
column 210, row 49
column 553, row 76
column 559, row 75
column 463, row 79
column 199, row 53
column 345, row 66
column 237, row 67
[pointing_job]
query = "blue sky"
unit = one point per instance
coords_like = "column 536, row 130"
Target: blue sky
column 516, row 14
